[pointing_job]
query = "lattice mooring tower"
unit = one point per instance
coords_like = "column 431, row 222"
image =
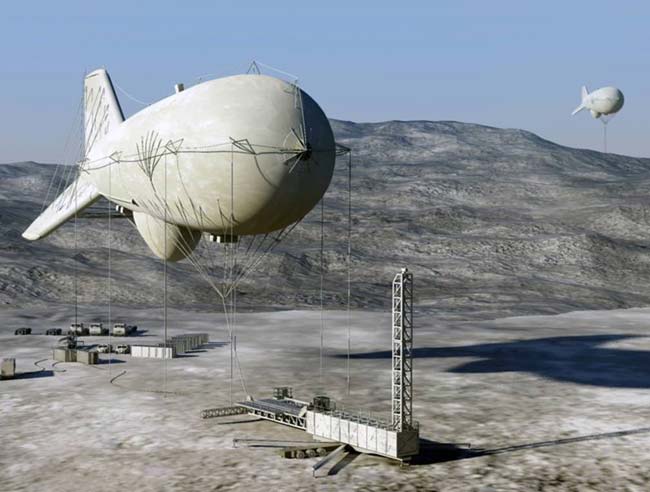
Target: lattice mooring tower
column 402, row 394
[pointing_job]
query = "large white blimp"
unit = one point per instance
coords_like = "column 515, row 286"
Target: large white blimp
column 241, row 155
column 604, row 101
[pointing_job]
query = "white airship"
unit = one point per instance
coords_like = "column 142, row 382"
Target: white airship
column 240, row 155
column 603, row 101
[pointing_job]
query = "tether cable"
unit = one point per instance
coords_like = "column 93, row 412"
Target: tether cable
column 349, row 261
column 322, row 262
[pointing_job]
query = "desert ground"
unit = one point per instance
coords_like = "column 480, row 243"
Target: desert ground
column 547, row 403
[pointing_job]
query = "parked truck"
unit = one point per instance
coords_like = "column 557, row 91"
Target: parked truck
column 123, row 330
column 78, row 329
column 104, row 348
column 122, row 349
column 97, row 329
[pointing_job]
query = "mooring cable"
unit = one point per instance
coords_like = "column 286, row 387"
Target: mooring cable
column 349, row 261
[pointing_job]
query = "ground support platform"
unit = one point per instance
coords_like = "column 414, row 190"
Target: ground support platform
column 361, row 433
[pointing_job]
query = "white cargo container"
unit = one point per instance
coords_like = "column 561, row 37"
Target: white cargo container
column 8, row 369
column 64, row 355
column 366, row 435
column 188, row 341
column 87, row 357
column 153, row 352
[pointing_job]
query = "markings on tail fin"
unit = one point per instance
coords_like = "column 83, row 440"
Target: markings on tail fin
column 102, row 111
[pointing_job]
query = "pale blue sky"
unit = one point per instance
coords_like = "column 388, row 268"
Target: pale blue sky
column 516, row 64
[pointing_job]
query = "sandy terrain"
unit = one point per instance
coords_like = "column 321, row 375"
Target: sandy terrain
column 495, row 222
column 537, row 397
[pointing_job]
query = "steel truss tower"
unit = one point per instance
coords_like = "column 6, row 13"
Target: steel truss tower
column 402, row 389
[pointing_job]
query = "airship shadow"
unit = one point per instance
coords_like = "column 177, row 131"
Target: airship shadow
column 576, row 359
column 432, row 452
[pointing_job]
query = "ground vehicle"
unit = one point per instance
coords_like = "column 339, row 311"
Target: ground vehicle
column 78, row 329
column 123, row 330
column 97, row 329
column 104, row 348
column 53, row 331
column 23, row 331
column 122, row 349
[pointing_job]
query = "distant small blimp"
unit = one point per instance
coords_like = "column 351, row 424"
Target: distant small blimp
column 604, row 101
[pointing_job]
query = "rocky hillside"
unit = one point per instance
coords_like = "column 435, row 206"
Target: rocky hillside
column 492, row 222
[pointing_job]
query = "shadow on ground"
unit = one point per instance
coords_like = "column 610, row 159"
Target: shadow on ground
column 342, row 463
column 576, row 359
column 211, row 345
column 109, row 361
column 45, row 373
column 432, row 452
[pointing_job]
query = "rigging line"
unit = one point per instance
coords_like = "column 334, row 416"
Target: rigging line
column 269, row 247
column 229, row 262
column 255, row 251
column 260, row 64
column 75, row 121
column 275, row 241
column 211, row 149
column 241, row 377
column 69, row 171
column 185, row 247
column 233, row 294
column 75, row 271
column 237, row 361
column 59, row 172
column 67, row 174
column 349, row 264
column 250, row 264
column 110, row 260
column 322, row 323
column 135, row 99
column 165, row 284
column 154, row 209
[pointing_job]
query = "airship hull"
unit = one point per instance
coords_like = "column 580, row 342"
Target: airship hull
column 607, row 100
column 604, row 101
column 247, row 154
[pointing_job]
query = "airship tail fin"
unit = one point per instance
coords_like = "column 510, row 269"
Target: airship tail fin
column 76, row 197
column 102, row 111
column 583, row 94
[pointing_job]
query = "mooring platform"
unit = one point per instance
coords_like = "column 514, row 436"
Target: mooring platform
column 398, row 439
column 324, row 422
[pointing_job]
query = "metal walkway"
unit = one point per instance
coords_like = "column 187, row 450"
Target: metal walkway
column 288, row 412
